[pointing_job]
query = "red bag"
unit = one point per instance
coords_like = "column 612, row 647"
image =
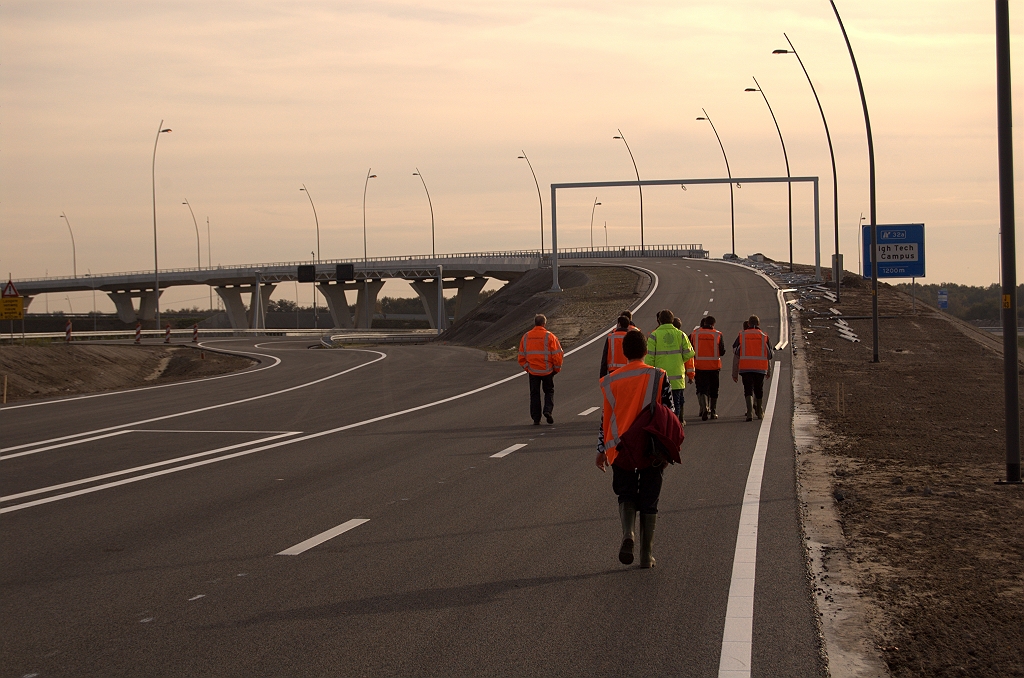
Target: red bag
column 653, row 439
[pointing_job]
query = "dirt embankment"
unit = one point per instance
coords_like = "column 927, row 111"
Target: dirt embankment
column 58, row 369
column 916, row 443
column 591, row 298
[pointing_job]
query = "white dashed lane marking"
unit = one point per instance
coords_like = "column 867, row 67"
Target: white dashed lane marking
column 323, row 536
column 508, row 450
column 588, row 411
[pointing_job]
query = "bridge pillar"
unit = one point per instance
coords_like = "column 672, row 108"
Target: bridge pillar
column 337, row 302
column 469, row 295
column 364, row 305
column 125, row 309
column 147, row 306
column 265, row 290
column 427, row 292
column 232, row 298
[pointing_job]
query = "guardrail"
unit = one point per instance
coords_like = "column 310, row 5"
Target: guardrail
column 565, row 252
column 160, row 335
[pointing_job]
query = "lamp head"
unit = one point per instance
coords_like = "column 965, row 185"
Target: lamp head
column 616, row 137
column 302, row 189
column 701, row 117
column 597, row 203
column 372, row 176
column 522, row 157
column 780, row 51
column 751, row 89
column 165, row 130
column 682, row 186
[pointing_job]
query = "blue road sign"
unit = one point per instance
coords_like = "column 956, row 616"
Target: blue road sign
column 900, row 251
column 943, row 300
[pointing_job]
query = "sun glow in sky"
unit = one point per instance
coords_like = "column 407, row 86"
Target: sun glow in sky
column 264, row 97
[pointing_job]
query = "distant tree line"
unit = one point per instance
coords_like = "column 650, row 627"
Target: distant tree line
column 979, row 305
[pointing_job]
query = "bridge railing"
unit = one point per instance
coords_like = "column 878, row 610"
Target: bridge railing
column 696, row 250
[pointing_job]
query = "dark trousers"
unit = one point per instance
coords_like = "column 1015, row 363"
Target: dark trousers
column 753, row 384
column 642, row 487
column 706, row 382
column 548, row 382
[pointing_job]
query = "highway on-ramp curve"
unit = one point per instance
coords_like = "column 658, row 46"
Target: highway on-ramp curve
column 393, row 511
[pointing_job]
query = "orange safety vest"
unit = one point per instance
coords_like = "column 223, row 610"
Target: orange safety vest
column 539, row 352
column 616, row 358
column 753, row 351
column 626, row 393
column 705, row 343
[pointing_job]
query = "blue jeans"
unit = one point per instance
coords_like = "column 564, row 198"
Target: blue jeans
column 677, row 400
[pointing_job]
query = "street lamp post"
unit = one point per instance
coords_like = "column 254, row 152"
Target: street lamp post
column 606, row 234
column 74, row 255
column 594, row 209
column 315, row 219
column 831, row 152
column 539, row 199
column 209, row 257
column 789, row 186
column 316, row 256
column 199, row 260
column 418, row 174
column 316, row 317
column 620, row 136
column 156, row 261
column 871, row 189
column 366, row 282
column 732, row 204
column 1007, row 236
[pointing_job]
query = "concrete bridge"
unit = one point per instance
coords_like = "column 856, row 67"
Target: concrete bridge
column 467, row 273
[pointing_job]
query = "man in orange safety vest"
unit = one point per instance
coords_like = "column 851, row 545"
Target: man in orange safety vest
column 636, row 481
column 540, row 354
column 752, row 353
column 709, row 347
column 613, row 358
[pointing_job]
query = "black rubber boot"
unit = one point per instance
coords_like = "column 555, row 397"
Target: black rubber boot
column 702, row 400
column 714, row 412
column 757, row 409
column 750, row 407
column 647, row 523
column 627, row 514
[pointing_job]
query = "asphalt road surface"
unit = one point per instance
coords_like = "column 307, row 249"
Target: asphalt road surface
column 394, row 512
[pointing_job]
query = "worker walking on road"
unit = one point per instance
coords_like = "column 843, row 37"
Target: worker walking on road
column 669, row 349
column 752, row 353
column 636, row 478
column 540, row 354
column 709, row 347
column 613, row 358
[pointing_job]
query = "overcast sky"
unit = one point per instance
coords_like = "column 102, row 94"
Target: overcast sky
column 263, row 97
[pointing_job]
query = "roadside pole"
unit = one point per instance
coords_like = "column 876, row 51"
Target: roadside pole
column 1008, row 242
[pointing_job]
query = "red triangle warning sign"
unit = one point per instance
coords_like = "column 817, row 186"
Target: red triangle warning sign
column 9, row 290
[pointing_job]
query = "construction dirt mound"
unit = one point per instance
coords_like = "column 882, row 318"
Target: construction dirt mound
column 590, row 300
column 915, row 444
column 57, row 369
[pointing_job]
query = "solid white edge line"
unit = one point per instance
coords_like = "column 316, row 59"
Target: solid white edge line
column 277, row 361
column 587, row 411
column 508, row 450
column 382, row 356
column 323, row 536
column 310, row 436
column 65, row 444
column 783, row 315
column 113, row 474
column 737, row 637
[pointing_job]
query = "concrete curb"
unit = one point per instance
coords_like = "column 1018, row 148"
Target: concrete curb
column 843, row 611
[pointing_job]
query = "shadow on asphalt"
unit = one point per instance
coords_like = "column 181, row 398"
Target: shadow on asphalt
column 412, row 601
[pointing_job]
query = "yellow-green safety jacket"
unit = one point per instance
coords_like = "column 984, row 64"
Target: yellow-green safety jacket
column 670, row 349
